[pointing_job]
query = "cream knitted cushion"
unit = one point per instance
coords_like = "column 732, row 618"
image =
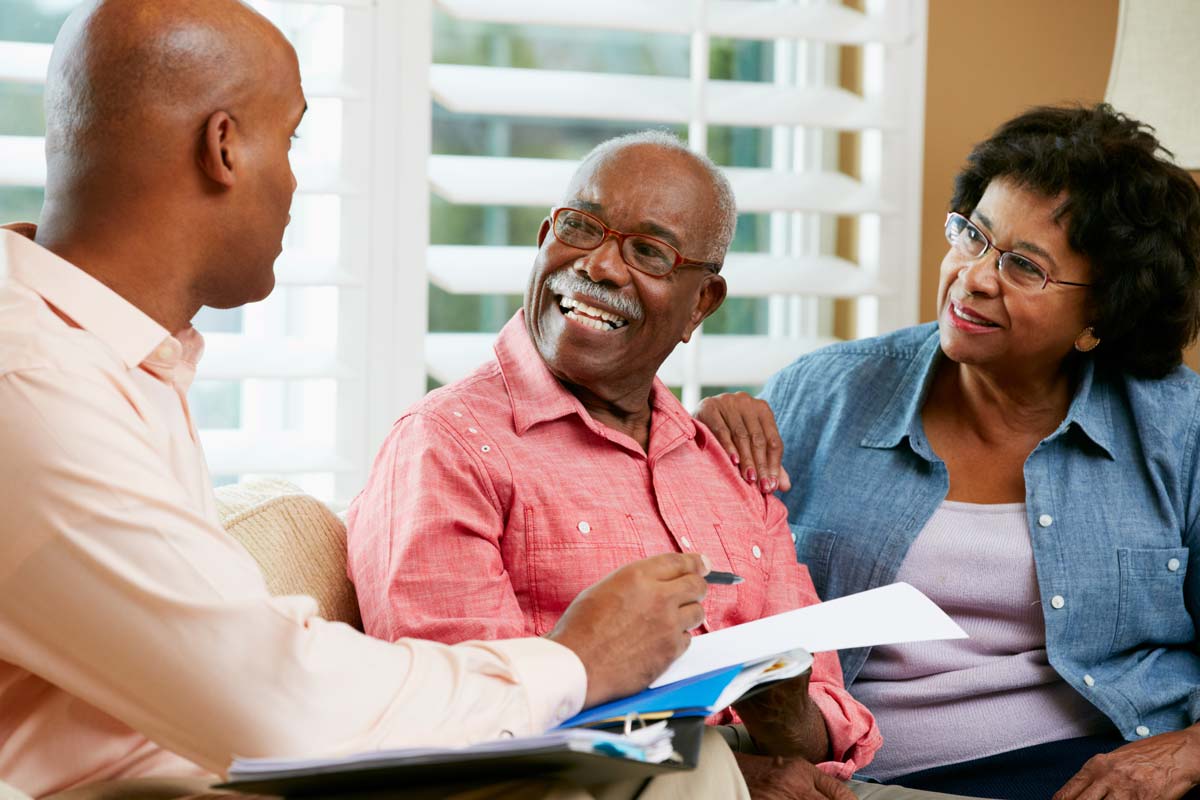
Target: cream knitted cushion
column 299, row 544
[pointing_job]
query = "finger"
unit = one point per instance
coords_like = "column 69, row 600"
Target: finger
column 785, row 480
column 758, row 449
column 772, row 460
column 710, row 414
column 745, row 447
column 669, row 566
column 1083, row 787
column 1071, row 789
column 691, row 615
column 831, row 787
column 1079, row 782
column 685, row 590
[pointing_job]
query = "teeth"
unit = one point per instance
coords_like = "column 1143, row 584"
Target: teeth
column 958, row 312
column 588, row 321
column 612, row 320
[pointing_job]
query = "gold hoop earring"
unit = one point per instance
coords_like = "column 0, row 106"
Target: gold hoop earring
column 1087, row 341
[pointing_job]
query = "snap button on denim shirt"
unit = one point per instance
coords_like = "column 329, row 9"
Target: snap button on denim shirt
column 1113, row 499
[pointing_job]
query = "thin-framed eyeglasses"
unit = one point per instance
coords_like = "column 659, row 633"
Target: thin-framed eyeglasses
column 647, row 254
column 1016, row 270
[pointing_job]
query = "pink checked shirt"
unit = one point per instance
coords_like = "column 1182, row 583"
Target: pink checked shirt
column 138, row 638
column 497, row 499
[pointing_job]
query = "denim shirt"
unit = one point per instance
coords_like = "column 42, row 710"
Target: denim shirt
column 1112, row 498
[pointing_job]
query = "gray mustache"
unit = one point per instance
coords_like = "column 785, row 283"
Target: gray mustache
column 570, row 282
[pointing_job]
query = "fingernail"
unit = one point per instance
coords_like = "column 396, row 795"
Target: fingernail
column 751, row 475
column 733, row 454
column 767, row 485
column 707, row 564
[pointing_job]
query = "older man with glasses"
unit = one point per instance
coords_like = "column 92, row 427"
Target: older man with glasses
column 498, row 499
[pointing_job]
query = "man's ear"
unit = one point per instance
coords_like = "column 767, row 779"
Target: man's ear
column 709, row 299
column 543, row 230
column 218, row 142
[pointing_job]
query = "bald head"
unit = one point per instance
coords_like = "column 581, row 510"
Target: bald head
column 168, row 130
column 722, row 208
column 127, row 77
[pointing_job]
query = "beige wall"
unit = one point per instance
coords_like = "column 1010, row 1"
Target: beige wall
column 1009, row 55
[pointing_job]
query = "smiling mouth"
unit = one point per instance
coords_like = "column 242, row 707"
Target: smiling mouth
column 957, row 311
column 592, row 317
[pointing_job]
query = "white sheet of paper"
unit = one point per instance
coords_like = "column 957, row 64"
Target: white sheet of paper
column 886, row 615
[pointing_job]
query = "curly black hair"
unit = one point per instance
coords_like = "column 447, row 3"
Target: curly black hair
column 1130, row 211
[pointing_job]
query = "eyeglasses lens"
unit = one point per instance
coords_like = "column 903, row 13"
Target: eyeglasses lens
column 971, row 242
column 968, row 239
column 576, row 229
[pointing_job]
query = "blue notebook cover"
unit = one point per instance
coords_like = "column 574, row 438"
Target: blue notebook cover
column 689, row 697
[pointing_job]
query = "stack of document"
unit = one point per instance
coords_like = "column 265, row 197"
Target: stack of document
column 716, row 670
column 652, row 744
column 587, row 754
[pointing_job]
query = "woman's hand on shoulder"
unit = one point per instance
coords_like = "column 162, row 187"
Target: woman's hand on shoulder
column 1161, row 767
column 745, row 427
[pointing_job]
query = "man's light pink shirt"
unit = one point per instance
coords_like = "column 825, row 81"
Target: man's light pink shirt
column 132, row 628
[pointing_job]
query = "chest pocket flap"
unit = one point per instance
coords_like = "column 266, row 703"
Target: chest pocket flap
column 1151, row 609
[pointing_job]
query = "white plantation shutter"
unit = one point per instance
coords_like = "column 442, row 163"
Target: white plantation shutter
column 386, row 282
column 800, row 190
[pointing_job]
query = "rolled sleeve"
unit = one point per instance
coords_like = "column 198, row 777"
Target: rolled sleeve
column 853, row 735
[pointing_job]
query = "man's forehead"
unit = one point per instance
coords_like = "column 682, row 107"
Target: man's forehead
column 659, row 192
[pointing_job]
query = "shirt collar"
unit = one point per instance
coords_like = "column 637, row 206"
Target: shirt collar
column 87, row 302
column 537, row 396
column 1091, row 409
column 901, row 416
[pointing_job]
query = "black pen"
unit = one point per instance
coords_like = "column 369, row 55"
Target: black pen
column 723, row 578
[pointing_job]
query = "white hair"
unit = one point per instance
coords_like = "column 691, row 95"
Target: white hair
column 726, row 205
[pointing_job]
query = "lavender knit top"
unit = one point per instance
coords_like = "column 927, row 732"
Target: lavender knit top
column 944, row 702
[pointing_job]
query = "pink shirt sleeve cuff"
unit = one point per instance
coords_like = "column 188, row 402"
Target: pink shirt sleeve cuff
column 554, row 675
column 853, row 735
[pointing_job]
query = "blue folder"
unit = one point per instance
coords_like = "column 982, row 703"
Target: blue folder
column 691, row 697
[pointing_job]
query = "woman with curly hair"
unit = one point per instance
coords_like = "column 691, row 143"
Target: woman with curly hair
column 1031, row 461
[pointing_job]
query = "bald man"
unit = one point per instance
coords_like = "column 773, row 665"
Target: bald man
column 136, row 638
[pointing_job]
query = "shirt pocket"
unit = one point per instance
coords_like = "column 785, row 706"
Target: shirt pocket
column 568, row 551
column 1150, row 602
column 814, row 548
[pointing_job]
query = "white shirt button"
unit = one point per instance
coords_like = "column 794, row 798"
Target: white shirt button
column 1045, row 520
column 584, row 527
column 458, row 413
column 757, row 551
column 1173, row 565
column 793, row 537
column 164, row 351
column 1058, row 601
column 1142, row 730
column 1089, row 680
column 472, row 430
column 687, row 543
column 485, row 449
